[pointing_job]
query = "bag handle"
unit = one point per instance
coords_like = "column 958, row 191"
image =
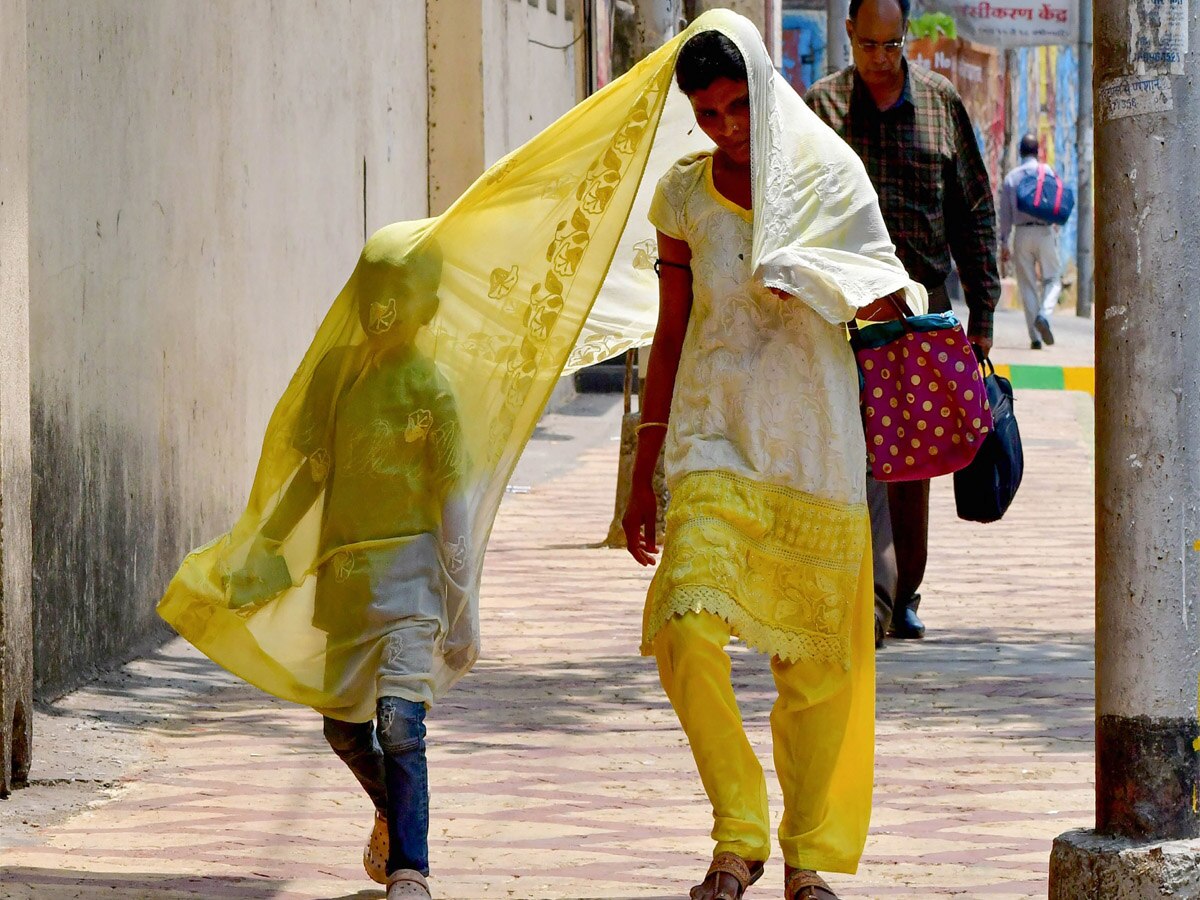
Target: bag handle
column 901, row 306
column 984, row 360
column 1037, row 197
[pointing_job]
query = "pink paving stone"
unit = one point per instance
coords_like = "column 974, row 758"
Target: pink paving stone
column 558, row 769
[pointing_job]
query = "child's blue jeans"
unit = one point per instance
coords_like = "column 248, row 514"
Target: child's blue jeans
column 388, row 759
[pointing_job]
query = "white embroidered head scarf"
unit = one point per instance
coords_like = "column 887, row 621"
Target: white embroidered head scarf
column 386, row 458
column 818, row 231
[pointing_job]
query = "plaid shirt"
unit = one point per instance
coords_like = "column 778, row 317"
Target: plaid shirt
column 922, row 157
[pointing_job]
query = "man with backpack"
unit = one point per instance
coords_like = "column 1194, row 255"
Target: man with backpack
column 1033, row 200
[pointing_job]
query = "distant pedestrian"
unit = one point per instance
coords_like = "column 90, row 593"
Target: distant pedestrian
column 913, row 133
column 752, row 387
column 1034, row 248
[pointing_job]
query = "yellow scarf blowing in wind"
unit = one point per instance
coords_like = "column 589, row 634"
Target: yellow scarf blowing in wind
column 386, row 458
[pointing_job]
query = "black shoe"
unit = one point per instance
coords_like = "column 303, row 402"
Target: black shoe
column 1035, row 345
column 879, row 632
column 909, row 626
column 1043, row 328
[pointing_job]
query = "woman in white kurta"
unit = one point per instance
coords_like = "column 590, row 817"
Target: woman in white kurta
column 765, row 394
column 755, row 394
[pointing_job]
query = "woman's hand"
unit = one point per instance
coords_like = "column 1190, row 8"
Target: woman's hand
column 885, row 309
column 641, row 522
column 263, row 575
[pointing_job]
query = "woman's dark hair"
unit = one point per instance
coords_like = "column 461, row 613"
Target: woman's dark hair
column 705, row 58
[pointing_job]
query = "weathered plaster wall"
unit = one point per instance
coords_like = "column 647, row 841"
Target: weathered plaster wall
column 201, row 180
column 526, row 85
column 16, row 640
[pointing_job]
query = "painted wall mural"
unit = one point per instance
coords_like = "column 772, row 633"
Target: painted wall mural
column 1045, row 100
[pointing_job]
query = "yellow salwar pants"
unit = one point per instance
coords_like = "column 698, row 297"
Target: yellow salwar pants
column 822, row 728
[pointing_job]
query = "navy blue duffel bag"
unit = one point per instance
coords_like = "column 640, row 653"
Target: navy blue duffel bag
column 1043, row 195
column 985, row 488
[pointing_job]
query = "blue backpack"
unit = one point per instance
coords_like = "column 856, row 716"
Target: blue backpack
column 1043, row 195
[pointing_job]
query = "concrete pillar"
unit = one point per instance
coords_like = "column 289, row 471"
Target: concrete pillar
column 498, row 73
column 16, row 608
column 773, row 31
column 654, row 23
column 1147, row 476
column 454, row 53
column 1085, row 218
column 837, row 42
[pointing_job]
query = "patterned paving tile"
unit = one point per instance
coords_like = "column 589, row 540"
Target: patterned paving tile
column 558, row 768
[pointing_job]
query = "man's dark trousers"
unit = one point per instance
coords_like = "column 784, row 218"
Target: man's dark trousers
column 900, row 529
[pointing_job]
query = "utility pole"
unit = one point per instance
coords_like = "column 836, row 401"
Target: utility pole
column 1147, row 465
column 655, row 23
column 1084, row 214
column 837, row 42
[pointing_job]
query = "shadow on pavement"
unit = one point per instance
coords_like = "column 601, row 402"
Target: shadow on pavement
column 172, row 689
column 19, row 883
column 1039, row 679
column 1038, row 684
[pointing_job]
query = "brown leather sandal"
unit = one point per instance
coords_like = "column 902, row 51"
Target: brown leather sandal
column 805, row 884
column 745, row 872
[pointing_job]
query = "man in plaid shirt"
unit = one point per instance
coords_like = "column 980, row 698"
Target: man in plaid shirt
column 913, row 134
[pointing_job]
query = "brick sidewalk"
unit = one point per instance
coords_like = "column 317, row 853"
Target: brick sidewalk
column 558, row 768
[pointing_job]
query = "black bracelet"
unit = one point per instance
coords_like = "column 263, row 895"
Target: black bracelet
column 659, row 263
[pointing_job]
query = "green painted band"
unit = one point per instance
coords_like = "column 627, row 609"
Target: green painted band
column 1037, row 377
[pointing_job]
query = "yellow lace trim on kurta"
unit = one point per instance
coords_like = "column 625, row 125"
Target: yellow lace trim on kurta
column 779, row 565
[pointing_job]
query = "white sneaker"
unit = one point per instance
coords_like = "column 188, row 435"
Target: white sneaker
column 407, row 884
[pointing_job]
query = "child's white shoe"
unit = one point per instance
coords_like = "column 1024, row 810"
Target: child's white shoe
column 375, row 854
column 407, row 884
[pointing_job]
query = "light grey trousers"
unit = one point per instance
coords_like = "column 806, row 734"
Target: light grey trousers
column 1039, row 272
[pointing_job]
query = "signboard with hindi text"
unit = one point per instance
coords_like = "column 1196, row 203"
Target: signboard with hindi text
column 1012, row 23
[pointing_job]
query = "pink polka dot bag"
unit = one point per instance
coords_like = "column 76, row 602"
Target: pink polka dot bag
column 925, row 409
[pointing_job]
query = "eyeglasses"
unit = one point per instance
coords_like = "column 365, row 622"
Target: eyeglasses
column 891, row 48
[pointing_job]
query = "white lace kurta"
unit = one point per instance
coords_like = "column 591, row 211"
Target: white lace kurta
column 765, row 451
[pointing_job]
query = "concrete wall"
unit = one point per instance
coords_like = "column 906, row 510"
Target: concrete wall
column 202, row 176
column 16, row 618
column 493, row 84
column 526, row 85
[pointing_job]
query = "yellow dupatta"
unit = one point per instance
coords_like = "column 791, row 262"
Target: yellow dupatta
column 544, row 265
